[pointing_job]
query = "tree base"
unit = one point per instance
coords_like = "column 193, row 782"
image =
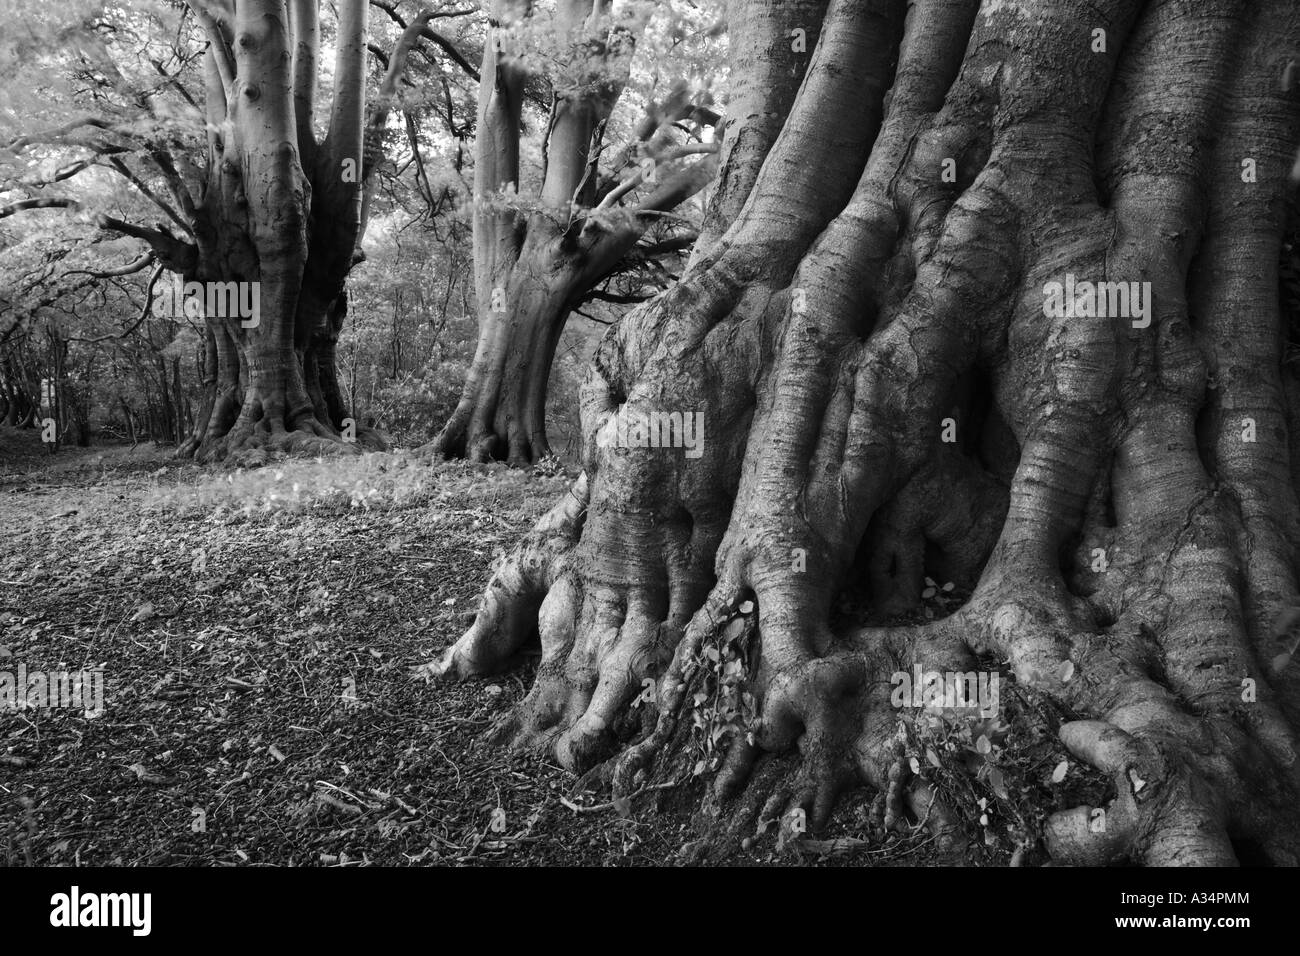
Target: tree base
column 462, row 438
column 258, row 434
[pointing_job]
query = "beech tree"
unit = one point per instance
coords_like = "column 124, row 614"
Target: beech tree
column 271, row 209
column 536, row 258
column 896, row 388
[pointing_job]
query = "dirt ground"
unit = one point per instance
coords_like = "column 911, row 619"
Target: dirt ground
column 257, row 633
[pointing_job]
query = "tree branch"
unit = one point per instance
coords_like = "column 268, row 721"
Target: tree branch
column 58, row 134
column 635, row 180
column 382, row 109
column 218, row 46
column 432, row 35
column 179, row 190
column 177, row 254
column 58, row 202
column 144, row 312
column 149, row 194
column 131, row 267
column 347, row 119
column 305, row 19
column 602, row 296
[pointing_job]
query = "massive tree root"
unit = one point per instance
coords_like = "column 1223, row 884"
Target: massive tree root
column 891, row 394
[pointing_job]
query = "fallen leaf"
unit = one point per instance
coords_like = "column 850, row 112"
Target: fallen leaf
column 998, row 783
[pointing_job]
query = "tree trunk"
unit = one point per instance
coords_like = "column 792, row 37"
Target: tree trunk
column 894, row 388
column 275, row 218
column 252, row 226
column 13, row 380
column 129, row 419
column 321, row 364
column 277, row 222
column 182, row 405
column 532, row 270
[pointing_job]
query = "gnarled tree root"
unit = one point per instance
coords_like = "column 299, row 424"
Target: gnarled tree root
column 888, row 391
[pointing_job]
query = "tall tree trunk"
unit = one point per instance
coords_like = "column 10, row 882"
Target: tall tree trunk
column 253, row 225
column 281, row 214
column 306, row 206
column 894, row 388
column 275, row 217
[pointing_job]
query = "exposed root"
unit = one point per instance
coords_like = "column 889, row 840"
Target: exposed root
column 512, row 605
column 259, row 430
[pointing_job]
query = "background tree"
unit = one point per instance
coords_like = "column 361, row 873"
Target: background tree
column 75, row 340
column 257, row 184
column 538, row 257
column 890, row 395
column 56, row 189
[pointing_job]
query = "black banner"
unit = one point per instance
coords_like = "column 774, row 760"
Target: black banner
column 369, row 905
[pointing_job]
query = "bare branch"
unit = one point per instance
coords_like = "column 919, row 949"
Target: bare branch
column 177, row 254
column 144, row 312
column 635, row 180
column 149, row 194
column 56, row 202
column 130, row 268
column 432, row 35
column 179, row 190
column 62, row 135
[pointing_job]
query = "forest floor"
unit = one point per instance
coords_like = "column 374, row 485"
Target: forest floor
column 257, row 632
